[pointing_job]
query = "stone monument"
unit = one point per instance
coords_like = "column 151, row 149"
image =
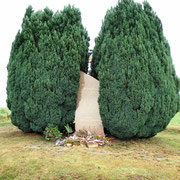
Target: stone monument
column 87, row 115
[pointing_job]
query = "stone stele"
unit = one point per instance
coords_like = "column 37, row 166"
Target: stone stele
column 87, row 115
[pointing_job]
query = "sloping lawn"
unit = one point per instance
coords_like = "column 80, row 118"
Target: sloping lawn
column 29, row 156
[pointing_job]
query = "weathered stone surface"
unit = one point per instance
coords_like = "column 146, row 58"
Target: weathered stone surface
column 87, row 115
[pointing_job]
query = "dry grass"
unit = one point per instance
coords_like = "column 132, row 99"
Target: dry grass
column 29, row 156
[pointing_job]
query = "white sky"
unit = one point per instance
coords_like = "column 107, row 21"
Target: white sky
column 92, row 12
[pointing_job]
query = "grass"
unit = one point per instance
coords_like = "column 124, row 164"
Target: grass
column 176, row 119
column 29, row 156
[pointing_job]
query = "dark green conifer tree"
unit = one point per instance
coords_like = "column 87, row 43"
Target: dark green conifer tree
column 139, row 90
column 44, row 69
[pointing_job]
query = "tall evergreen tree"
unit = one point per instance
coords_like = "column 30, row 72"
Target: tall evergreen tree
column 139, row 90
column 44, row 68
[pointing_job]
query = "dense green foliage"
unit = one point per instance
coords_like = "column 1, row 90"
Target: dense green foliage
column 139, row 90
column 44, row 69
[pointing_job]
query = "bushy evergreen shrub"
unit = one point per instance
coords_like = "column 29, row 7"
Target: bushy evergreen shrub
column 44, row 69
column 139, row 90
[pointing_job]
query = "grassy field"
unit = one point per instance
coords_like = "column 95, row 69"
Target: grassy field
column 29, row 156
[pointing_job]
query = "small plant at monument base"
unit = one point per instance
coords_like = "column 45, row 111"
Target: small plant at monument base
column 68, row 129
column 52, row 133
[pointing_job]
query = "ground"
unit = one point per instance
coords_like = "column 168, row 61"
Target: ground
column 30, row 156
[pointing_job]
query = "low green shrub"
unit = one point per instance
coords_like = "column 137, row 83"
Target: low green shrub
column 51, row 132
column 5, row 113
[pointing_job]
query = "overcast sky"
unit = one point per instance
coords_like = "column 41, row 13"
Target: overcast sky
column 92, row 12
